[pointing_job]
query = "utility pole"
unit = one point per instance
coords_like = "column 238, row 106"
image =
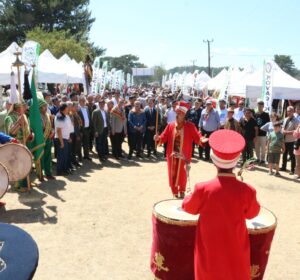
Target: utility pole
column 208, row 49
column 193, row 62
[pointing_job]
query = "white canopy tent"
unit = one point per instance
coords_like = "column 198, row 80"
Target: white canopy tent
column 50, row 70
column 218, row 81
column 73, row 69
column 7, row 58
column 284, row 85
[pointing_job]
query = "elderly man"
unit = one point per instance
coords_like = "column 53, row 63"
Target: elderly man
column 86, row 120
column 239, row 112
column 208, row 123
column 290, row 124
column 222, row 112
column 100, row 126
column 118, row 128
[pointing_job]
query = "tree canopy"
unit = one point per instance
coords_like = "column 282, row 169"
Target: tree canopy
column 286, row 63
column 17, row 17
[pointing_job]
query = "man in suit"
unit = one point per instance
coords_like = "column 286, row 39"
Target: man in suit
column 91, row 107
column 151, row 115
column 86, row 120
column 100, row 126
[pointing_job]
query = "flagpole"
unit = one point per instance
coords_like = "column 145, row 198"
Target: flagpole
column 18, row 63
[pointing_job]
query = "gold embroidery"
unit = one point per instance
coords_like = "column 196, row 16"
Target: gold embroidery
column 159, row 260
column 255, row 271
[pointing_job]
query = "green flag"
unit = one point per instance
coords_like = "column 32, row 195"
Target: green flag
column 37, row 145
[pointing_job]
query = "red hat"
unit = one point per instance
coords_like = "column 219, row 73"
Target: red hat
column 182, row 106
column 226, row 146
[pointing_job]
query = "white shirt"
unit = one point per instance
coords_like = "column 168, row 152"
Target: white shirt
column 171, row 116
column 238, row 114
column 84, row 112
column 104, row 117
column 223, row 115
column 66, row 126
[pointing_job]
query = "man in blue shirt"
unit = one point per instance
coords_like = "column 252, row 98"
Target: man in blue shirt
column 209, row 122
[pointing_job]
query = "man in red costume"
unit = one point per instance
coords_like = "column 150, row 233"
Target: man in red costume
column 180, row 136
column 222, row 249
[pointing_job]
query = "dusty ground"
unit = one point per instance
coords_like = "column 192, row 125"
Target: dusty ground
column 96, row 224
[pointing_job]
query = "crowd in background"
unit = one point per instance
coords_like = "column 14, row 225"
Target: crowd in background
column 78, row 125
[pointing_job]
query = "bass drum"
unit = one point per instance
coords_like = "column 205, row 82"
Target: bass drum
column 3, row 180
column 17, row 159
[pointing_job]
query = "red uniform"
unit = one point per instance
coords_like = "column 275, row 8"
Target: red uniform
column 222, row 249
column 179, row 151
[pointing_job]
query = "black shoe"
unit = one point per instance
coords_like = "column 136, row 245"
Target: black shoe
column 88, row 158
column 282, row 169
column 291, row 173
column 62, row 174
column 129, row 157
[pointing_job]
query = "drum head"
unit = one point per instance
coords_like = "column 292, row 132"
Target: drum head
column 3, row 180
column 17, row 159
column 264, row 221
column 170, row 211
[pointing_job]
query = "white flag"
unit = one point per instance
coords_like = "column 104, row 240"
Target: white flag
column 267, row 88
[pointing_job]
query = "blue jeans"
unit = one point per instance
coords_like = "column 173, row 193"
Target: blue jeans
column 102, row 143
column 62, row 156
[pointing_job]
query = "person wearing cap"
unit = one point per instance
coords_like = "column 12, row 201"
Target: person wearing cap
column 208, row 123
column 180, row 136
column 249, row 131
column 231, row 123
column 222, row 112
column 239, row 112
column 260, row 144
column 46, row 160
column 222, row 248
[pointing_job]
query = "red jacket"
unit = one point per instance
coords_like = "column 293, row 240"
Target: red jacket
column 222, row 249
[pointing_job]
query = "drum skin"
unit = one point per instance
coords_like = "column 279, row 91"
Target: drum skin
column 172, row 253
column 3, row 180
column 17, row 159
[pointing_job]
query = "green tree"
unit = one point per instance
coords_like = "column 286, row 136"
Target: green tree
column 159, row 71
column 59, row 43
column 20, row 16
column 286, row 63
column 125, row 62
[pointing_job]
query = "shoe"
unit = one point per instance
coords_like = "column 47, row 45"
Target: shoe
column 270, row 173
column 88, row 158
column 50, row 177
column 277, row 174
column 77, row 164
column 262, row 162
column 139, row 156
column 117, row 158
column 62, row 174
column 291, row 173
column 282, row 169
column 42, row 179
column 181, row 194
column 148, row 155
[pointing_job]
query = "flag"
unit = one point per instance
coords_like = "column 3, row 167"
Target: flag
column 38, row 143
column 267, row 87
column 14, row 96
column 30, row 54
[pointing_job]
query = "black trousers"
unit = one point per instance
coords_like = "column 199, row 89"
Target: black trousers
column 75, row 148
column 150, row 141
column 136, row 142
column 102, row 143
column 86, row 141
column 117, row 140
column 248, row 150
column 207, row 147
column 289, row 150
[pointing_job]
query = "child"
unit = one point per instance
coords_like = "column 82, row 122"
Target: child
column 275, row 146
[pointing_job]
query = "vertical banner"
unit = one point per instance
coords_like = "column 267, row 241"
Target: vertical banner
column 224, row 90
column 95, row 78
column 267, row 87
column 174, row 82
column 128, row 80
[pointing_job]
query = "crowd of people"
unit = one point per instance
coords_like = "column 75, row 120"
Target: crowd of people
column 76, row 125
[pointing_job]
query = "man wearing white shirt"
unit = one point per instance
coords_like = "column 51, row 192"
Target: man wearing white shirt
column 222, row 112
column 239, row 112
column 171, row 114
column 84, row 115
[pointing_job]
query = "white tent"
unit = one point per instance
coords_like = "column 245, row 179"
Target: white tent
column 202, row 80
column 7, row 58
column 50, row 70
column 284, row 85
column 73, row 69
column 218, row 81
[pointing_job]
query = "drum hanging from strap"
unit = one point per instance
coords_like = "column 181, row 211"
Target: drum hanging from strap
column 173, row 240
column 172, row 255
column 3, row 180
column 261, row 231
column 17, row 159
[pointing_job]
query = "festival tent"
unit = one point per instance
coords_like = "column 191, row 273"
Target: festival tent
column 218, row 81
column 73, row 69
column 284, row 85
column 7, row 58
column 202, row 79
column 50, row 70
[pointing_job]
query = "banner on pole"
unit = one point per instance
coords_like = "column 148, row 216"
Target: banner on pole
column 267, row 87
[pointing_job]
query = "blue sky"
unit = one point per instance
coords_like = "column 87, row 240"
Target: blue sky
column 172, row 32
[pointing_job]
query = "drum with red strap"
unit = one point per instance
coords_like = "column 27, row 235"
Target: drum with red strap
column 172, row 254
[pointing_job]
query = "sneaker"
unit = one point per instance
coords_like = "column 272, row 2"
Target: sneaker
column 291, row 173
column 270, row 173
column 282, row 169
column 277, row 174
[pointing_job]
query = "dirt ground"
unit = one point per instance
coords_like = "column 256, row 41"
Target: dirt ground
column 96, row 224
